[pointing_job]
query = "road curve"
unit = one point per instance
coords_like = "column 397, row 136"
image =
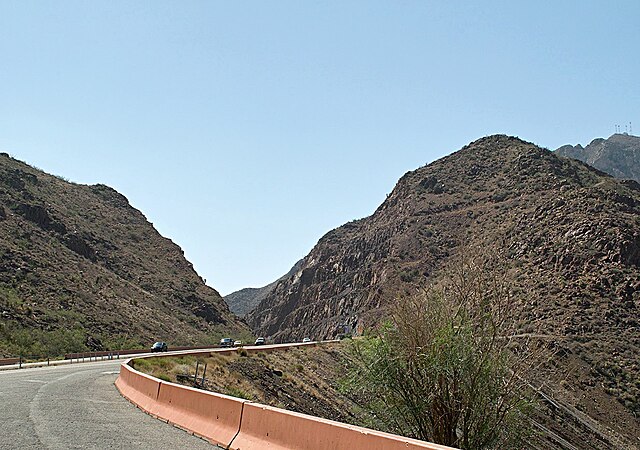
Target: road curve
column 78, row 407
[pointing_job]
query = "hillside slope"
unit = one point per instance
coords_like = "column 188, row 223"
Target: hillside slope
column 243, row 301
column 619, row 155
column 82, row 269
column 572, row 232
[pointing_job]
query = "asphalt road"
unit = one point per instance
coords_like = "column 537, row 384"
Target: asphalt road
column 78, row 407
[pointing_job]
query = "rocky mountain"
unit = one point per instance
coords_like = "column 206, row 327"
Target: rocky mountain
column 571, row 231
column 242, row 301
column 80, row 268
column 619, row 155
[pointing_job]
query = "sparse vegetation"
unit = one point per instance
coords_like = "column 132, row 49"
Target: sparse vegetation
column 82, row 270
column 571, row 232
column 16, row 339
column 444, row 369
column 301, row 379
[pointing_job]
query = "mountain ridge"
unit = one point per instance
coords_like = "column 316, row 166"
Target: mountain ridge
column 82, row 269
column 245, row 300
column 571, row 232
column 618, row 155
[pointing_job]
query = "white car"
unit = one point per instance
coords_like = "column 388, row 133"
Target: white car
column 306, row 340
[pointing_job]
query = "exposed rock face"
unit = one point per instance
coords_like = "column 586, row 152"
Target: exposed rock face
column 572, row 231
column 80, row 267
column 618, row 156
column 244, row 300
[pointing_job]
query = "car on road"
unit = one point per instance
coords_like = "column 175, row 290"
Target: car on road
column 260, row 341
column 159, row 347
column 306, row 340
column 226, row 342
column 237, row 343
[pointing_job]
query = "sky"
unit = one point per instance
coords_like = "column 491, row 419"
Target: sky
column 246, row 130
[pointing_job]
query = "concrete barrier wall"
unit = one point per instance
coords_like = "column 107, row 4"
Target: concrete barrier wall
column 243, row 425
column 214, row 416
column 281, row 347
column 138, row 388
column 278, row 429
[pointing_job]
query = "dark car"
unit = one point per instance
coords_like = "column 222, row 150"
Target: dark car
column 226, row 342
column 260, row 341
column 159, row 347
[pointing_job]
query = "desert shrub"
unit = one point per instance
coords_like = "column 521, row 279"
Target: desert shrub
column 444, row 367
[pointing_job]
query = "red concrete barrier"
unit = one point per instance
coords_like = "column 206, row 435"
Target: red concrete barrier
column 139, row 388
column 210, row 415
column 266, row 427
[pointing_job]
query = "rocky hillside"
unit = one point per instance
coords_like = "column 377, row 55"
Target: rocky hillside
column 618, row 156
column 572, row 232
column 242, row 301
column 81, row 269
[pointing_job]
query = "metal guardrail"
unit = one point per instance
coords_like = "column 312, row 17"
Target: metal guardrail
column 38, row 360
column 24, row 359
column 128, row 352
column 9, row 361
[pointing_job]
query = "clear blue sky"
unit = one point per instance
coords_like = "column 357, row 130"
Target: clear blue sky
column 246, row 130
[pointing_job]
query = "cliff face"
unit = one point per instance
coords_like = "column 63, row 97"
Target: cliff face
column 572, row 232
column 82, row 269
column 619, row 155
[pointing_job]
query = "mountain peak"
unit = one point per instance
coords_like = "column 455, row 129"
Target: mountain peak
column 618, row 155
column 569, row 233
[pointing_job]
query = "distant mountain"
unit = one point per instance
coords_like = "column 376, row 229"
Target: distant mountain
column 82, row 269
column 619, row 155
column 242, row 301
column 571, row 232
